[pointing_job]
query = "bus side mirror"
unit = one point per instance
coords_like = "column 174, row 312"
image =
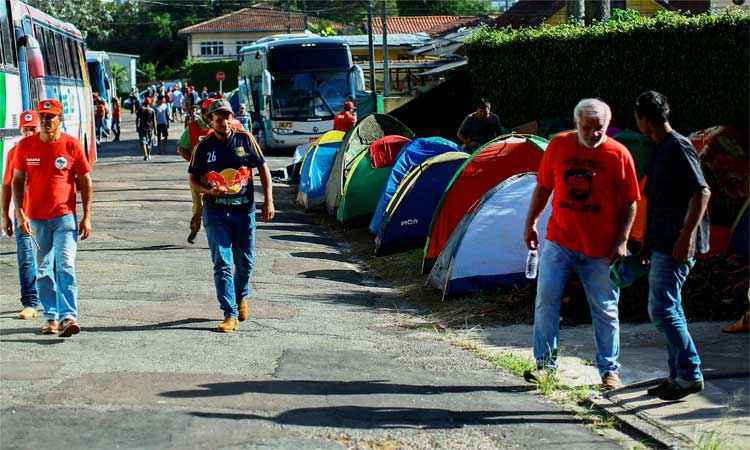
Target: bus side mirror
column 357, row 78
column 34, row 57
column 266, row 82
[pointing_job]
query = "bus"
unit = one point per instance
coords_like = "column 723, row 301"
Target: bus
column 100, row 75
column 42, row 57
column 294, row 86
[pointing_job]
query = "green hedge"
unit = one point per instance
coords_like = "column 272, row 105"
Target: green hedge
column 700, row 63
column 204, row 74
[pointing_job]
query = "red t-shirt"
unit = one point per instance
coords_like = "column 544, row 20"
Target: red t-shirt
column 344, row 121
column 8, row 172
column 591, row 187
column 50, row 169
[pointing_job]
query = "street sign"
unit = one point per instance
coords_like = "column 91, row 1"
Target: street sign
column 220, row 76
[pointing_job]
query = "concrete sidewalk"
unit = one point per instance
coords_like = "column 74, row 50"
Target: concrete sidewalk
column 720, row 413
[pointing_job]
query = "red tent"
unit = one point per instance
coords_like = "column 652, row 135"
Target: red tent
column 383, row 152
column 498, row 160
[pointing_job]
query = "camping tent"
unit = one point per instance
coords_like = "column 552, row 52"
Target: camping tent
column 487, row 249
column 409, row 212
column 489, row 165
column 640, row 148
column 355, row 144
column 413, row 154
column 316, row 168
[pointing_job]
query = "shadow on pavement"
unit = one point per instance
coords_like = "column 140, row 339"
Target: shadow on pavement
column 35, row 341
column 339, row 275
column 389, row 417
column 321, row 255
column 173, row 325
column 306, row 239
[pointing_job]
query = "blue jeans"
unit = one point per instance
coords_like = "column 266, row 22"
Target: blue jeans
column 555, row 265
column 55, row 260
column 231, row 237
column 665, row 280
column 26, row 269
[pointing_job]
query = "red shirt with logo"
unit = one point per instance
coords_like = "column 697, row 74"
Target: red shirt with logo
column 590, row 188
column 50, row 169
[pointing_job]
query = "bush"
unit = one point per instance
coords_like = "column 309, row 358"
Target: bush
column 204, row 74
column 700, row 63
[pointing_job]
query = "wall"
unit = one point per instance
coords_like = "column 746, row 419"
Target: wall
column 229, row 39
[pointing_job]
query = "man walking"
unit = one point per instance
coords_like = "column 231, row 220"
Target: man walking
column 593, row 178
column 145, row 124
column 676, row 227
column 46, row 168
column 221, row 170
column 346, row 119
column 479, row 127
column 29, row 125
column 116, row 116
column 100, row 114
column 176, row 103
column 163, row 113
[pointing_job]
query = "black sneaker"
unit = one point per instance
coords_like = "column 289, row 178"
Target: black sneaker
column 660, row 388
column 676, row 392
column 535, row 376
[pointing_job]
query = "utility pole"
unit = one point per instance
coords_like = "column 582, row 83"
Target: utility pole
column 371, row 46
column 386, row 70
column 289, row 18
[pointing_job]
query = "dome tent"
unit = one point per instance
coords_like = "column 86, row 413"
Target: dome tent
column 316, row 168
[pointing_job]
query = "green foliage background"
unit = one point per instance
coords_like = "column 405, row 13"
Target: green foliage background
column 204, row 74
column 700, row 63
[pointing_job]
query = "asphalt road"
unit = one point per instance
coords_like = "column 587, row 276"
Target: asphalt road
column 322, row 362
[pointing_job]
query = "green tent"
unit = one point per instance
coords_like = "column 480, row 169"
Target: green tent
column 353, row 157
column 640, row 148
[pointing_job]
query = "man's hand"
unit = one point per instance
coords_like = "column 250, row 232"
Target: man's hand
column 531, row 238
column 7, row 225
column 684, row 249
column 23, row 222
column 218, row 191
column 620, row 249
column 645, row 255
column 84, row 228
column 268, row 211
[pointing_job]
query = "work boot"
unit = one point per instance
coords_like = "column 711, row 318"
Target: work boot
column 611, row 381
column 676, row 391
column 244, row 307
column 536, row 376
column 660, row 388
column 229, row 325
column 69, row 327
column 50, row 328
column 28, row 313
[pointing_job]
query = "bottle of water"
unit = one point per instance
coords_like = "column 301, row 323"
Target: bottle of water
column 532, row 264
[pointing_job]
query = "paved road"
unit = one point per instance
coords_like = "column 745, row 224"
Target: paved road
column 321, row 363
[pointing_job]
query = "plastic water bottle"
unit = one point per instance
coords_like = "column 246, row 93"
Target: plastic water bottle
column 532, row 264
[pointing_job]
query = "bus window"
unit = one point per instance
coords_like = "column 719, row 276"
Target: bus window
column 60, row 54
column 74, row 61
column 50, row 53
column 39, row 34
column 8, row 56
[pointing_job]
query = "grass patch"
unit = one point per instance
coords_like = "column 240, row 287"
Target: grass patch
column 513, row 363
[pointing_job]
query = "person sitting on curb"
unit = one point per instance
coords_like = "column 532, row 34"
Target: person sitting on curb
column 676, row 228
column 593, row 209
column 221, row 170
column 29, row 125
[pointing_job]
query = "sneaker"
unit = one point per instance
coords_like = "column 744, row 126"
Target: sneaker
column 229, row 325
column 660, row 388
column 611, row 381
column 28, row 313
column 535, row 376
column 675, row 391
column 50, row 328
column 69, row 327
column 244, row 307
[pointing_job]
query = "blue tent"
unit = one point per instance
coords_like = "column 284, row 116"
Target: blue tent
column 316, row 168
column 409, row 213
column 413, row 154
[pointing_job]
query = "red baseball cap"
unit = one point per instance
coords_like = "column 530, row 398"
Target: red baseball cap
column 206, row 103
column 348, row 106
column 29, row 119
column 50, row 106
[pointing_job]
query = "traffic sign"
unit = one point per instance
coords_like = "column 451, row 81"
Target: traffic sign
column 220, row 76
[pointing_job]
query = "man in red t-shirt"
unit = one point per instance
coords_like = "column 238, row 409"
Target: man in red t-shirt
column 29, row 125
column 46, row 166
column 346, row 119
column 595, row 192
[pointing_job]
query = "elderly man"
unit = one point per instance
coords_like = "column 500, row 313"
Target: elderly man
column 595, row 192
column 47, row 168
column 221, row 170
column 677, row 227
column 479, row 127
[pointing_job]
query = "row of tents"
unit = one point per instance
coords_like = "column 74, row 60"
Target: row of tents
column 466, row 210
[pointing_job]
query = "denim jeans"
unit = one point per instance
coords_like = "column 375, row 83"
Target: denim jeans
column 231, row 237
column 665, row 280
column 55, row 260
column 555, row 265
column 26, row 269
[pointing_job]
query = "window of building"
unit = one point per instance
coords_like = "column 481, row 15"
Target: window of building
column 210, row 48
column 241, row 44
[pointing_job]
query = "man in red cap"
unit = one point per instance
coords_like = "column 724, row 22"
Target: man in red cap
column 29, row 125
column 45, row 170
column 346, row 119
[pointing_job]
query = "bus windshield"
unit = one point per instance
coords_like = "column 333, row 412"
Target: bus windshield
column 309, row 95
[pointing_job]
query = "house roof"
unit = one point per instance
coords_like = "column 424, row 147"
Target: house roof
column 256, row 19
column 421, row 24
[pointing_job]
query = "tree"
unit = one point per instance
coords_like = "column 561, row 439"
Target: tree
column 443, row 7
column 601, row 10
column 576, row 10
column 121, row 78
column 93, row 17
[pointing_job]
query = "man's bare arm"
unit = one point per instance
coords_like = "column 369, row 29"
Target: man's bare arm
column 7, row 192
column 19, row 191
column 269, row 210
column 538, row 203
column 621, row 243
column 697, row 207
column 87, row 198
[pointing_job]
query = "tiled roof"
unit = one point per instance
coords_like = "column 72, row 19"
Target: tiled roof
column 255, row 19
column 421, row 24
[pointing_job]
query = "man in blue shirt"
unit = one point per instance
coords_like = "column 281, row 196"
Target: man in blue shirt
column 676, row 229
column 221, row 169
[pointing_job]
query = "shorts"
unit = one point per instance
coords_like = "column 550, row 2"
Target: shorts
column 162, row 130
column 146, row 136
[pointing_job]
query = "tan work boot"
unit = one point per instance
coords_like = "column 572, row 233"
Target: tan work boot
column 69, row 327
column 244, row 308
column 50, row 328
column 611, row 381
column 229, row 325
column 28, row 313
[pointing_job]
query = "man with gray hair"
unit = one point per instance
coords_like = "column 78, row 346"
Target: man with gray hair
column 596, row 189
